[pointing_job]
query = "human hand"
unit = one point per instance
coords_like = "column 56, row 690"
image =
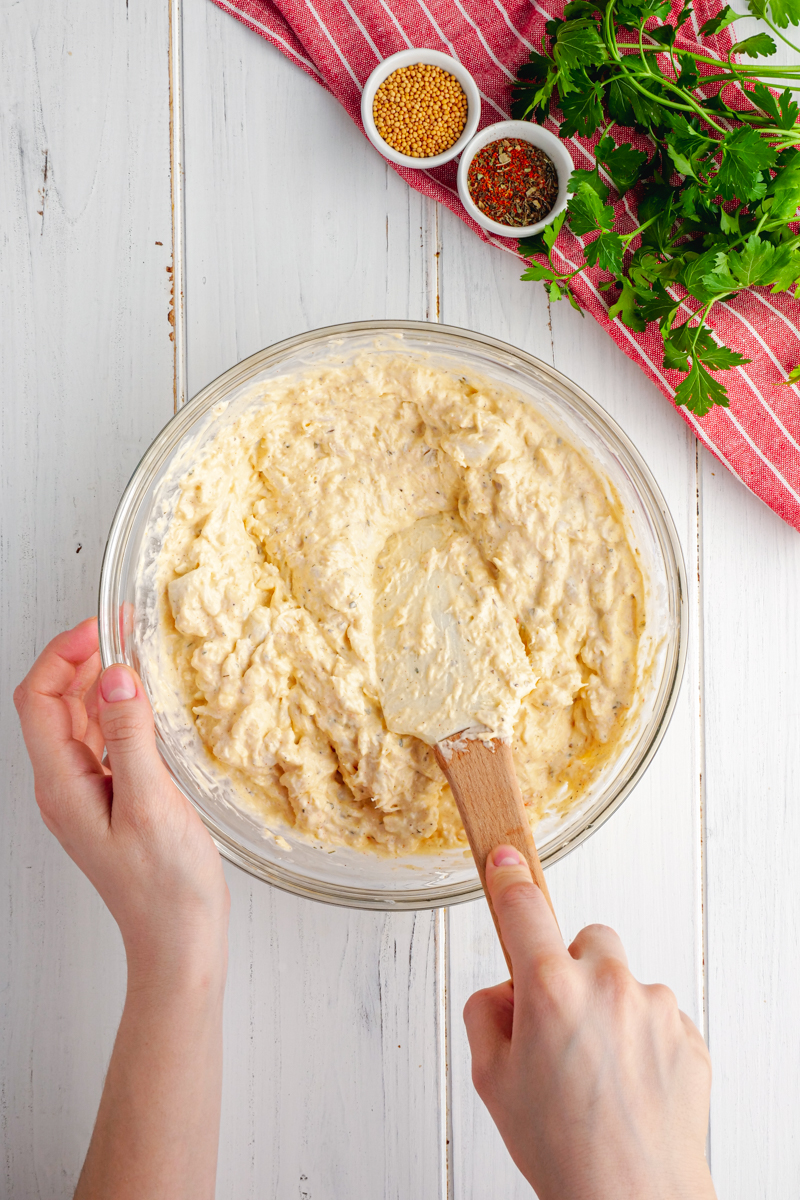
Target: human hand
column 128, row 828
column 598, row 1084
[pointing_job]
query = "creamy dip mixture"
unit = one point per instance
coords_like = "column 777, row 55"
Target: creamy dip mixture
column 300, row 566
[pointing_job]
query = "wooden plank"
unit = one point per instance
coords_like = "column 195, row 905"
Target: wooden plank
column 641, row 872
column 333, row 1032
column 293, row 221
column 87, row 369
column 751, row 584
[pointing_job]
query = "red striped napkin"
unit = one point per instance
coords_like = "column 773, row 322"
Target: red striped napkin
column 339, row 42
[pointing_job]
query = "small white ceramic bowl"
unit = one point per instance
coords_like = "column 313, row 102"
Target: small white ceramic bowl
column 406, row 58
column 544, row 140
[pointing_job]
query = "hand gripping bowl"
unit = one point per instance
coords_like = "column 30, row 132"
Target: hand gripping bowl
column 128, row 615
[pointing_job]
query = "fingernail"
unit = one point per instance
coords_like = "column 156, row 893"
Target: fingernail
column 117, row 683
column 506, row 856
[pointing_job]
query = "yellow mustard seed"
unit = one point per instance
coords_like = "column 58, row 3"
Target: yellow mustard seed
column 420, row 110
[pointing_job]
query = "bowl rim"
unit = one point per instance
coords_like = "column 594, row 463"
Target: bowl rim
column 405, row 58
column 537, row 135
column 167, row 440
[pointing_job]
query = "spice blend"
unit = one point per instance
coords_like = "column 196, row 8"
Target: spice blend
column 420, row 110
column 513, row 182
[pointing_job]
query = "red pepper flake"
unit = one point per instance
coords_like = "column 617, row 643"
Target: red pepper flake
column 513, row 182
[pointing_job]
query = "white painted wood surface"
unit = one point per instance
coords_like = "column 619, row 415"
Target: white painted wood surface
column 86, row 380
column 347, row 1070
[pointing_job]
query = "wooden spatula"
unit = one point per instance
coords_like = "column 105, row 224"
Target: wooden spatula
column 452, row 671
column 484, row 783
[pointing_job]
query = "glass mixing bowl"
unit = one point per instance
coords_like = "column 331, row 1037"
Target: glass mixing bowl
column 129, row 624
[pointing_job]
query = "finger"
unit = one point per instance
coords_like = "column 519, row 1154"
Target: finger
column 489, row 1015
column 86, row 675
column 55, row 669
column 526, row 923
column 45, row 716
column 489, row 1020
column 93, row 735
column 596, row 942
column 126, row 723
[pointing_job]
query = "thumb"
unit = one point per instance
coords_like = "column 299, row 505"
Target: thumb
column 527, row 926
column 126, row 722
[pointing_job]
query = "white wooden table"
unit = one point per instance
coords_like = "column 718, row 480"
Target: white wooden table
column 346, row 1064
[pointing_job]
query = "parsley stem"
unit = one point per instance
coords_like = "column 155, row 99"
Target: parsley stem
column 613, row 46
column 692, row 106
column 733, row 79
column 611, row 36
column 778, row 33
column 628, row 237
column 702, row 321
column 750, row 68
column 641, row 48
column 755, row 73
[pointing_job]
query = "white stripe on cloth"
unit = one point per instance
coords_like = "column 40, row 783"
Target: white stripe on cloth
column 763, row 457
column 366, row 36
column 268, row 32
column 507, row 20
column 329, row 36
column 741, row 371
column 484, row 43
column 763, row 299
column 400, row 29
column 756, row 390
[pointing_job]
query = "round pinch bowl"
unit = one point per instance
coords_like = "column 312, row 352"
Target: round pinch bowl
column 543, row 139
column 408, row 58
column 128, row 612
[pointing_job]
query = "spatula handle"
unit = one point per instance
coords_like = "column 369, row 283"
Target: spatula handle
column 484, row 784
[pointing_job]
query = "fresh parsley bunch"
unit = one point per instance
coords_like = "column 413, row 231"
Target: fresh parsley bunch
column 716, row 191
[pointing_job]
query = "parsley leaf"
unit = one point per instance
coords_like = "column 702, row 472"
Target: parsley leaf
column 577, row 45
column 765, row 100
column 753, row 265
column 626, row 307
column 700, row 391
column 756, row 46
column 536, row 81
column 607, row 251
column 786, row 190
column 784, row 12
column 582, row 106
column 726, row 16
column 629, row 107
column 587, row 211
column 687, row 146
column 623, row 163
column 744, row 157
column 536, row 272
column 591, row 179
